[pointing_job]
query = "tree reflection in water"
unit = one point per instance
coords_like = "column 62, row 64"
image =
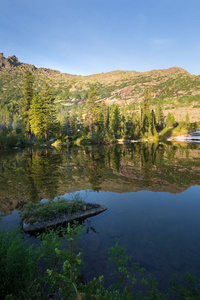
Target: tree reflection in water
column 33, row 174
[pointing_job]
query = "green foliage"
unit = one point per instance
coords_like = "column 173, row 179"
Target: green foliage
column 42, row 114
column 148, row 120
column 83, row 140
column 122, row 261
column 17, row 264
column 91, row 111
column 68, row 278
column 49, row 112
column 186, row 288
column 10, row 138
column 170, row 120
column 40, row 118
column 37, row 116
column 57, row 143
column 115, row 120
column 27, row 101
column 33, row 212
column 51, row 269
column 159, row 114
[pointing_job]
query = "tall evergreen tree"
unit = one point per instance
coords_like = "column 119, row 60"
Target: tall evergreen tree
column 72, row 122
column 50, row 123
column 170, row 120
column 37, row 115
column 187, row 121
column 42, row 114
column 115, row 120
column 159, row 113
column 27, row 99
column 91, row 111
column 145, row 111
column 148, row 117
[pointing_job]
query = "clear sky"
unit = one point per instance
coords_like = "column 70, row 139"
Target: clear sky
column 92, row 36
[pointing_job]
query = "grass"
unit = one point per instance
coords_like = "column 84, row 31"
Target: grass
column 50, row 210
column 57, row 143
column 166, row 133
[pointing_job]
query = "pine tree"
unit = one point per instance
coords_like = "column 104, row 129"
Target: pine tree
column 170, row 120
column 50, row 122
column 159, row 113
column 91, row 111
column 145, row 112
column 115, row 120
column 27, row 100
column 72, row 122
column 37, row 116
column 148, row 117
column 187, row 121
column 42, row 114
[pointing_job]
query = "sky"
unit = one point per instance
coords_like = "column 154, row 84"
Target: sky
column 85, row 37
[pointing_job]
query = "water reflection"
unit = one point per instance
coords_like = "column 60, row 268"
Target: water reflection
column 33, row 174
column 161, row 230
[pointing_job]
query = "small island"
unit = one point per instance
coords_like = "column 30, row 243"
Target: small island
column 38, row 216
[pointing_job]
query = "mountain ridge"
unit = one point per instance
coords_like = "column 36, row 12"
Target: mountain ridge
column 176, row 89
column 12, row 61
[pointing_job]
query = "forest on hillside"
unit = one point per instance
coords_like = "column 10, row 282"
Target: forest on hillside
column 40, row 118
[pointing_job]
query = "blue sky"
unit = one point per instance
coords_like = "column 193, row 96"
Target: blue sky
column 92, row 36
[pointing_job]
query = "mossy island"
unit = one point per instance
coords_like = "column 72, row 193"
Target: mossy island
column 38, row 216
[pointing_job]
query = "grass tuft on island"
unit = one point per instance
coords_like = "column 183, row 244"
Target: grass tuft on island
column 36, row 212
column 38, row 216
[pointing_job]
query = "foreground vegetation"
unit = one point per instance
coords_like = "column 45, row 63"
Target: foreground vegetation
column 51, row 269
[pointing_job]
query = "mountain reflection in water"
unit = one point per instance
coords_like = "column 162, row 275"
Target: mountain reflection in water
column 151, row 191
column 33, row 174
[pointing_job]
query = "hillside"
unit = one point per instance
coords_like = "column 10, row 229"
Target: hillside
column 178, row 90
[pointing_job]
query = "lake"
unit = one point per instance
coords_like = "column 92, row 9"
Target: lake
column 152, row 192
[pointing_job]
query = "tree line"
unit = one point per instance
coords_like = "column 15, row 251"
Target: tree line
column 41, row 118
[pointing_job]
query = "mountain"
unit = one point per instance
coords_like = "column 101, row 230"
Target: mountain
column 178, row 90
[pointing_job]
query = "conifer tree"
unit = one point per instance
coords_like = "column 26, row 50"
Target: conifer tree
column 42, row 114
column 27, row 100
column 170, row 120
column 115, row 120
column 159, row 113
column 187, row 121
column 50, row 123
column 145, row 112
column 91, row 111
column 72, row 122
column 37, row 115
column 148, row 118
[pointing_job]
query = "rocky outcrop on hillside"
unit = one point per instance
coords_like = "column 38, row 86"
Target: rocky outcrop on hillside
column 12, row 61
column 177, row 89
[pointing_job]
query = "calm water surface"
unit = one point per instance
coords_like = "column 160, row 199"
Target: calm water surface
column 152, row 193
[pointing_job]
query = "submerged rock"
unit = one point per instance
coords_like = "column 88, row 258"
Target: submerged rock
column 90, row 209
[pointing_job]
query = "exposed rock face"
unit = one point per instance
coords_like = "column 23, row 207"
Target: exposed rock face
column 12, row 61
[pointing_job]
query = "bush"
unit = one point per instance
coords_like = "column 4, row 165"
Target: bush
column 17, row 264
column 47, row 270
column 9, row 138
